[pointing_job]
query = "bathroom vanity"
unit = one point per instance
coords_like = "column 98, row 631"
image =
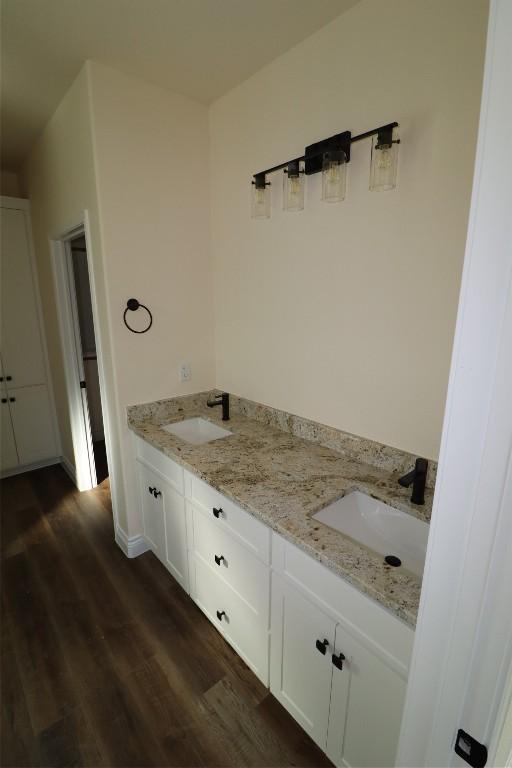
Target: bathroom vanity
column 319, row 618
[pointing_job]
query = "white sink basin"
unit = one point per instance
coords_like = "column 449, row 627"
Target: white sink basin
column 197, row 431
column 380, row 527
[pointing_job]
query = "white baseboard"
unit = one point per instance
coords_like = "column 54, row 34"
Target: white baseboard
column 29, row 467
column 132, row 546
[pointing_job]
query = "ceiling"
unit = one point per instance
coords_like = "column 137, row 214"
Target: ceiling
column 199, row 48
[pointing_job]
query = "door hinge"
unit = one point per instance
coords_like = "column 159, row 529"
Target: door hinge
column 470, row 749
column 83, row 385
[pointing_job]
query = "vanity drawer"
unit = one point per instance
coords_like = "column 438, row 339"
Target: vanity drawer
column 246, row 630
column 228, row 516
column 246, row 575
column 156, row 460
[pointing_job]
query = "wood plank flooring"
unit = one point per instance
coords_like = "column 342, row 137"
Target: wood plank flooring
column 106, row 661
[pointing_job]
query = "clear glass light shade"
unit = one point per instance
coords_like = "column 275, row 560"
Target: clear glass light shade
column 260, row 202
column 383, row 166
column 293, row 191
column 334, row 176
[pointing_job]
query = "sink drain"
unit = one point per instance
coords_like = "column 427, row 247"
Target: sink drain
column 393, row 560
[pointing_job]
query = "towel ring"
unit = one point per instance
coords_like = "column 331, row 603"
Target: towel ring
column 133, row 305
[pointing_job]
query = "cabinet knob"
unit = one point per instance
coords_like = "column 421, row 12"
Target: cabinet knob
column 150, row 489
column 154, row 491
column 4, row 399
column 220, row 614
column 217, row 512
column 219, row 559
column 338, row 660
column 12, row 399
column 322, row 646
column 8, row 378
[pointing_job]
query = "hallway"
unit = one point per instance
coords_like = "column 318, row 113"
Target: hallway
column 106, row 661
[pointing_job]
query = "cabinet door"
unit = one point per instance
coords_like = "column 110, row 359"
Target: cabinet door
column 175, row 535
column 22, row 350
column 9, row 455
column 33, row 424
column 366, row 706
column 300, row 673
column 152, row 506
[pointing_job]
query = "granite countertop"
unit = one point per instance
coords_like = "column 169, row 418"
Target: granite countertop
column 283, row 480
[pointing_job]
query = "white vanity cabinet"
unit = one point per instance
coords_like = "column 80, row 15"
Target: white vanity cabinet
column 339, row 662
column 335, row 659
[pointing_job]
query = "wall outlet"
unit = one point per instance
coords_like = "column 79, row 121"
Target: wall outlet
column 185, row 372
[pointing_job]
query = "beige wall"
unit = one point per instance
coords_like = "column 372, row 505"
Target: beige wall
column 9, row 184
column 345, row 313
column 139, row 156
column 151, row 155
column 58, row 178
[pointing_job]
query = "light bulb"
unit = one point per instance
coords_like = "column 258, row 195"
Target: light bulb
column 334, row 176
column 260, row 198
column 293, row 188
column 384, row 163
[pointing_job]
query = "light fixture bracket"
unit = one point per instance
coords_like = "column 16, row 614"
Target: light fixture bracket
column 314, row 153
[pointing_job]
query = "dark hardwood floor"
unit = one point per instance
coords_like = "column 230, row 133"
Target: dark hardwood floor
column 106, row 661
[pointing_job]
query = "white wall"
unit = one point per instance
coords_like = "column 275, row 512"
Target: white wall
column 139, row 156
column 345, row 313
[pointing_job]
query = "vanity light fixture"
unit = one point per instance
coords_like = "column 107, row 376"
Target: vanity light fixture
column 261, row 197
column 293, row 187
column 330, row 156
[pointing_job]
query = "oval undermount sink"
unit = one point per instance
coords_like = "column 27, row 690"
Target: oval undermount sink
column 196, row 431
column 380, row 527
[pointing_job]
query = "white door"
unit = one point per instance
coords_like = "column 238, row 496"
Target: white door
column 300, row 666
column 32, row 422
column 22, row 351
column 175, row 534
column 367, row 700
column 152, row 506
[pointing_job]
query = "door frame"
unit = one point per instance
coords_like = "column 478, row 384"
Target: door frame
column 462, row 654
column 83, row 474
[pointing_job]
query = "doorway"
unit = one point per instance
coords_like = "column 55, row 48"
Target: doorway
column 75, row 300
column 87, row 360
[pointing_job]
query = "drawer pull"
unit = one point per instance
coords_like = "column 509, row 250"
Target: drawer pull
column 156, row 493
column 338, row 660
column 219, row 559
column 220, row 614
column 217, row 512
column 4, row 399
column 322, row 646
column 12, row 399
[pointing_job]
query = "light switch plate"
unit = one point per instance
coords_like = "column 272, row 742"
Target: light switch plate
column 185, row 372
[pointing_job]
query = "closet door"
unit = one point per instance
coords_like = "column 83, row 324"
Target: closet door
column 8, row 454
column 32, row 423
column 22, row 352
